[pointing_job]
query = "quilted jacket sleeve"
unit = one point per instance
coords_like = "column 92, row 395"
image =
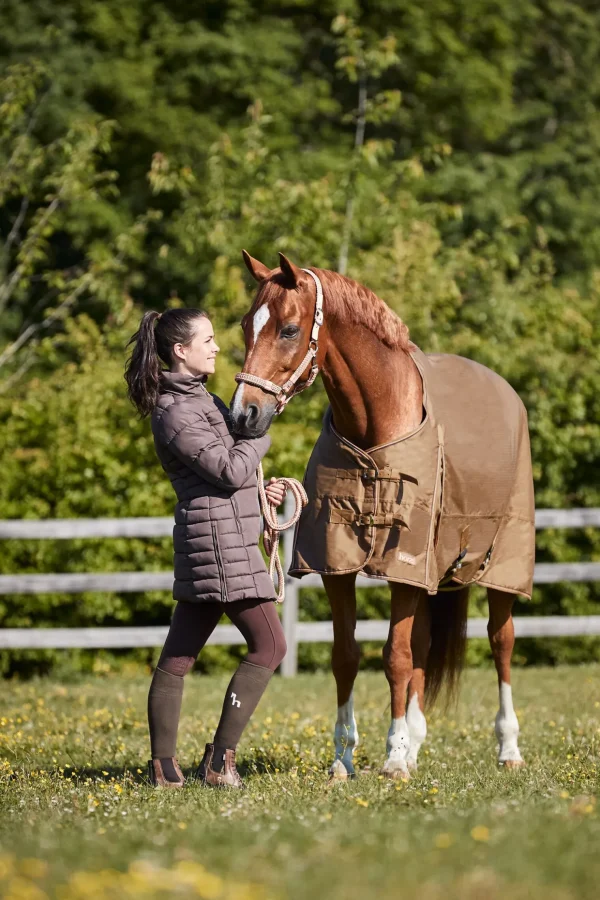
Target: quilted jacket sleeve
column 197, row 445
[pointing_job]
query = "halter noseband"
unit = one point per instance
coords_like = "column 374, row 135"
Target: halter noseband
column 282, row 392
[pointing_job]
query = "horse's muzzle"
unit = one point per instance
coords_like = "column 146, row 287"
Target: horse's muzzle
column 252, row 420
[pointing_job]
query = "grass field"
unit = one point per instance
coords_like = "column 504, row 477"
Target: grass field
column 78, row 820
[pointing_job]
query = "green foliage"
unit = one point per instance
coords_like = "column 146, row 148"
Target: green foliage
column 142, row 148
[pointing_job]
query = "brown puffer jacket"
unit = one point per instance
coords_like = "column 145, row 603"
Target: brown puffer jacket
column 217, row 517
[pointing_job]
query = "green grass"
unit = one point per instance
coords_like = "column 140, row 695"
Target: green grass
column 77, row 819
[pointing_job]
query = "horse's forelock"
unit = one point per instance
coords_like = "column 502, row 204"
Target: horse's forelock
column 272, row 291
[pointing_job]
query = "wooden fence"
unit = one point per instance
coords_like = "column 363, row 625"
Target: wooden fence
column 296, row 631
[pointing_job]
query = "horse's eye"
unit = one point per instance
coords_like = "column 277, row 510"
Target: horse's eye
column 289, row 331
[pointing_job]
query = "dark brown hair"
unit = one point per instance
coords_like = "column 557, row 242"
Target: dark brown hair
column 153, row 343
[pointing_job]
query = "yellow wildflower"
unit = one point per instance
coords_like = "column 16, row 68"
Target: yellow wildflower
column 480, row 833
column 33, row 868
column 7, row 861
column 443, row 840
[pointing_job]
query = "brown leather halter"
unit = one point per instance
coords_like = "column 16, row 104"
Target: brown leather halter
column 284, row 393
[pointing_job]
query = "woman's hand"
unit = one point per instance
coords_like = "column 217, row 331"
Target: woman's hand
column 275, row 492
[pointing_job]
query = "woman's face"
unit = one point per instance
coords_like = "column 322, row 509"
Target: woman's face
column 198, row 357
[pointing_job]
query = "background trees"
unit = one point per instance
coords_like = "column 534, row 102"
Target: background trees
column 142, row 146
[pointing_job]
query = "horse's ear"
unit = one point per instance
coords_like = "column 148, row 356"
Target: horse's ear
column 292, row 273
column 257, row 269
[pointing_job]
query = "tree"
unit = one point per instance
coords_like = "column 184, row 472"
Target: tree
column 42, row 191
column 471, row 207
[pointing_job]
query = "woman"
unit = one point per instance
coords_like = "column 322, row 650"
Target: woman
column 218, row 565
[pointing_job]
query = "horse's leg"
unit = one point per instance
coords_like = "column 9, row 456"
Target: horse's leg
column 345, row 657
column 415, row 716
column 501, row 633
column 398, row 664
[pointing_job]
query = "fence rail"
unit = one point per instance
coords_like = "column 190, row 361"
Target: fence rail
column 306, row 632
column 130, row 582
column 296, row 631
column 162, row 526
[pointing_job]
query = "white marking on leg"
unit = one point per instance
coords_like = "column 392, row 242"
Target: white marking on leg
column 507, row 727
column 417, row 730
column 346, row 739
column 398, row 748
column 234, row 700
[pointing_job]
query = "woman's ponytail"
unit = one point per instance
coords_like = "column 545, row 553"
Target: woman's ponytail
column 143, row 368
column 153, row 345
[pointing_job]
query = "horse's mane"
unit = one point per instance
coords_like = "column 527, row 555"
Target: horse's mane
column 349, row 301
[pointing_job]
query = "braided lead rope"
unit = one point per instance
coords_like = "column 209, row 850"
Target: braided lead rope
column 273, row 528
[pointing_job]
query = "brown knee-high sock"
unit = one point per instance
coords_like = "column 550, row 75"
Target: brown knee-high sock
column 164, row 707
column 241, row 699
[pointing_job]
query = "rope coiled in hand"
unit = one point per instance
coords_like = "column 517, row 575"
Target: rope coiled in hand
column 273, row 528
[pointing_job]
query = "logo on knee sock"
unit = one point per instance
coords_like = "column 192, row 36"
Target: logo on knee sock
column 235, row 702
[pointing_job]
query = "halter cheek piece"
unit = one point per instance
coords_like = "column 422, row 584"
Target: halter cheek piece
column 284, row 393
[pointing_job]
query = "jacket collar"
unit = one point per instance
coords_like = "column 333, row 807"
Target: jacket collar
column 180, row 383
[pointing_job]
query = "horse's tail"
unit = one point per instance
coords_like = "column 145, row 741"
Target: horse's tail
column 448, row 643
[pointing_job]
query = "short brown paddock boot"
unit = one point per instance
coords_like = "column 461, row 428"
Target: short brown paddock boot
column 159, row 779
column 229, row 777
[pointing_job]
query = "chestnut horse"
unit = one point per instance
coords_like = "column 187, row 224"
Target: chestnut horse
column 361, row 349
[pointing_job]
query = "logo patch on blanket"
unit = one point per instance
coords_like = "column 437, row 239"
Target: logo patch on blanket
column 407, row 558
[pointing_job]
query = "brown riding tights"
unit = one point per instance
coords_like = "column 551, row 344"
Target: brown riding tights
column 191, row 626
column 193, row 623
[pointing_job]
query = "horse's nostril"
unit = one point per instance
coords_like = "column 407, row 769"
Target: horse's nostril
column 252, row 413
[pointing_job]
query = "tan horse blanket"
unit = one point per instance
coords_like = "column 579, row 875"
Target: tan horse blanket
column 450, row 503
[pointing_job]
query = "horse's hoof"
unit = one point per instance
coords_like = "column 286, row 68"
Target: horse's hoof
column 513, row 764
column 338, row 772
column 395, row 774
column 338, row 777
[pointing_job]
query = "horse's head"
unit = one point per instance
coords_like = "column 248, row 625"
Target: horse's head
column 281, row 331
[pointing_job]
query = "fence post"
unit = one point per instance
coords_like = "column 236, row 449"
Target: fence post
column 289, row 666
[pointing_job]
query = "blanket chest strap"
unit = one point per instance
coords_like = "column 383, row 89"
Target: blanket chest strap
column 349, row 517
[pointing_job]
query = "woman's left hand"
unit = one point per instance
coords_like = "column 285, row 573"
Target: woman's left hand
column 275, row 492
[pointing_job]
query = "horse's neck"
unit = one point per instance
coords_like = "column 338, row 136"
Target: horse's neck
column 376, row 393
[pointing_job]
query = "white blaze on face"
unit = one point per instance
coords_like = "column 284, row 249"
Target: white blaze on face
column 507, row 727
column 261, row 317
column 237, row 407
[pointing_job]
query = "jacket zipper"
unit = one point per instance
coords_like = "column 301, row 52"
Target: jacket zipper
column 236, row 514
column 224, row 596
